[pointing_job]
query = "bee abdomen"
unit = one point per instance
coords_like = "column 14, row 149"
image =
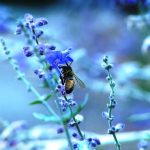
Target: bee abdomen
column 69, row 86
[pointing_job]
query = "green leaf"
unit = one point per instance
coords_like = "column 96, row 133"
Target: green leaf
column 66, row 117
column 46, row 118
column 36, row 102
column 47, row 97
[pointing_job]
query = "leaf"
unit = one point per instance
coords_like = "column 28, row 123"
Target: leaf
column 46, row 118
column 66, row 117
column 47, row 97
column 36, row 102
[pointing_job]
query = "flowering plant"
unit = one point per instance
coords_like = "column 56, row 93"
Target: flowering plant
column 56, row 74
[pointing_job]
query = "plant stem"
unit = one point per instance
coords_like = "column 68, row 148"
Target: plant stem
column 68, row 137
column 112, row 101
column 65, row 127
column 74, row 119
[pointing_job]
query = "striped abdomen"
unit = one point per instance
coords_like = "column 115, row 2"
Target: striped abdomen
column 69, row 85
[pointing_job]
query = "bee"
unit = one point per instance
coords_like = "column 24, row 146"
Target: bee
column 69, row 78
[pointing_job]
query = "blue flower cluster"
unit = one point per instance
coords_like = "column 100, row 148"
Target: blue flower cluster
column 52, row 56
column 65, row 104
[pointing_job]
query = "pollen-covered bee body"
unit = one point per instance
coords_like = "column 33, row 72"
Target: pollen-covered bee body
column 69, row 79
column 69, row 85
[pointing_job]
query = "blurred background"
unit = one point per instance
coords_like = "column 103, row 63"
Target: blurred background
column 93, row 28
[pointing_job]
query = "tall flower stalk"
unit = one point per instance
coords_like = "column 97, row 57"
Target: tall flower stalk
column 51, row 61
column 111, row 104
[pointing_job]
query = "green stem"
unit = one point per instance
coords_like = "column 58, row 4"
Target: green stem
column 110, row 119
column 65, row 126
column 74, row 119
column 116, row 141
column 68, row 137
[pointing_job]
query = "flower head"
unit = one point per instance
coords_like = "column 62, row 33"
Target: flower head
column 32, row 24
column 60, row 130
column 118, row 127
column 57, row 58
column 94, row 142
column 40, row 73
column 27, row 51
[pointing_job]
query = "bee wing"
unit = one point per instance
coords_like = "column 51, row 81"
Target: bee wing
column 81, row 83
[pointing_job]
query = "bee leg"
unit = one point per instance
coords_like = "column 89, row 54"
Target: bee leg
column 62, row 80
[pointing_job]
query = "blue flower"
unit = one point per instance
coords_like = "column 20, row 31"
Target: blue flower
column 30, row 21
column 32, row 24
column 75, row 145
column 37, row 34
column 74, row 134
column 27, row 51
column 63, row 104
column 51, row 47
column 60, row 130
column 118, row 127
column 40, row 73
column 57, row 58
column 41, row 48
column 41, row 22
column 94, row 142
